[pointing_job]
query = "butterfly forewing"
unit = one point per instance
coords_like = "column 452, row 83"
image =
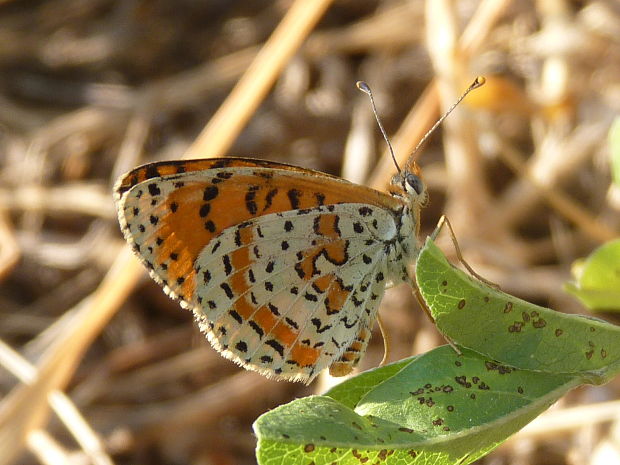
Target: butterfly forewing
column 283, row 267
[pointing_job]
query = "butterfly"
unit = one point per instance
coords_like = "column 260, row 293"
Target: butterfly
column 283, row 267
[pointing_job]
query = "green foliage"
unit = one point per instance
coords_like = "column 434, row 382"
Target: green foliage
column 511, row 330
column 443, row 407
column 597, row 278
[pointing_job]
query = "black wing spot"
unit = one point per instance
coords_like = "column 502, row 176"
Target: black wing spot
column 300, row 271
column 365, row 211
column 210, row 226
column 310, row 297
column 256, row 252
column 269, row 198
column 241, row 346
column 250, row 200
column 236, row 316
column 291, row 323
column 210, row 193
column 288, row 226
column 227, row 290
column 273, row 309
column 317, row 323
column 275, row 345
column 204, row 210
column 174, row 207
column 293, row 196
column 227, row 264
column 358, row 228
column 256, row 328
column 153, row 189
column 151, row 171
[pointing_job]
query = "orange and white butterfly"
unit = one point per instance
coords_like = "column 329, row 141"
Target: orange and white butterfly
column 283, row 267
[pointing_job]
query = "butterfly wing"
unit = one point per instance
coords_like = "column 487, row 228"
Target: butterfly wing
column 282, row 266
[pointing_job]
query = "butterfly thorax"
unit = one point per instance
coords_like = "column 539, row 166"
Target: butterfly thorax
column 411, row 192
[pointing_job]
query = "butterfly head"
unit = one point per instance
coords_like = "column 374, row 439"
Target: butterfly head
column 408, row 185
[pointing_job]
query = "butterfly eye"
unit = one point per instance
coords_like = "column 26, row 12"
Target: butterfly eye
column 414, row 182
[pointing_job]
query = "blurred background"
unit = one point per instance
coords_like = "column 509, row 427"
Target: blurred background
column 91, row 88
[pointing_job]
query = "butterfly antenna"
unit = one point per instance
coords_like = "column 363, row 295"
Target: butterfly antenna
column 478, row 82
column 361, row 85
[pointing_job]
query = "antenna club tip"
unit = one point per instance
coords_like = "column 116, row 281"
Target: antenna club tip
column 478, row 82
column 361, row 85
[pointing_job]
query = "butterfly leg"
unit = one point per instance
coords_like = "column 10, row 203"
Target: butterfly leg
column 445, row 221
column 386, row 341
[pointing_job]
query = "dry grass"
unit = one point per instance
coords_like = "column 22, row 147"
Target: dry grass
column 90, row 89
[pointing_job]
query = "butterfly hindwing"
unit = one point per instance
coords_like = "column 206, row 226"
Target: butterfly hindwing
column 289, row 302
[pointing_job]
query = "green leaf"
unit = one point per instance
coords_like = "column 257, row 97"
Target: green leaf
column 597, row 282
column 438, row 408
column 614, row 145
column 513, row 331
column 443, row 407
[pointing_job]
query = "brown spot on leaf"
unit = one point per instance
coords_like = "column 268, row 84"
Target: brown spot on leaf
column 309, row 448
column 461, row 303
column 558, row 332
column 516, row 327
column 508, row 307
